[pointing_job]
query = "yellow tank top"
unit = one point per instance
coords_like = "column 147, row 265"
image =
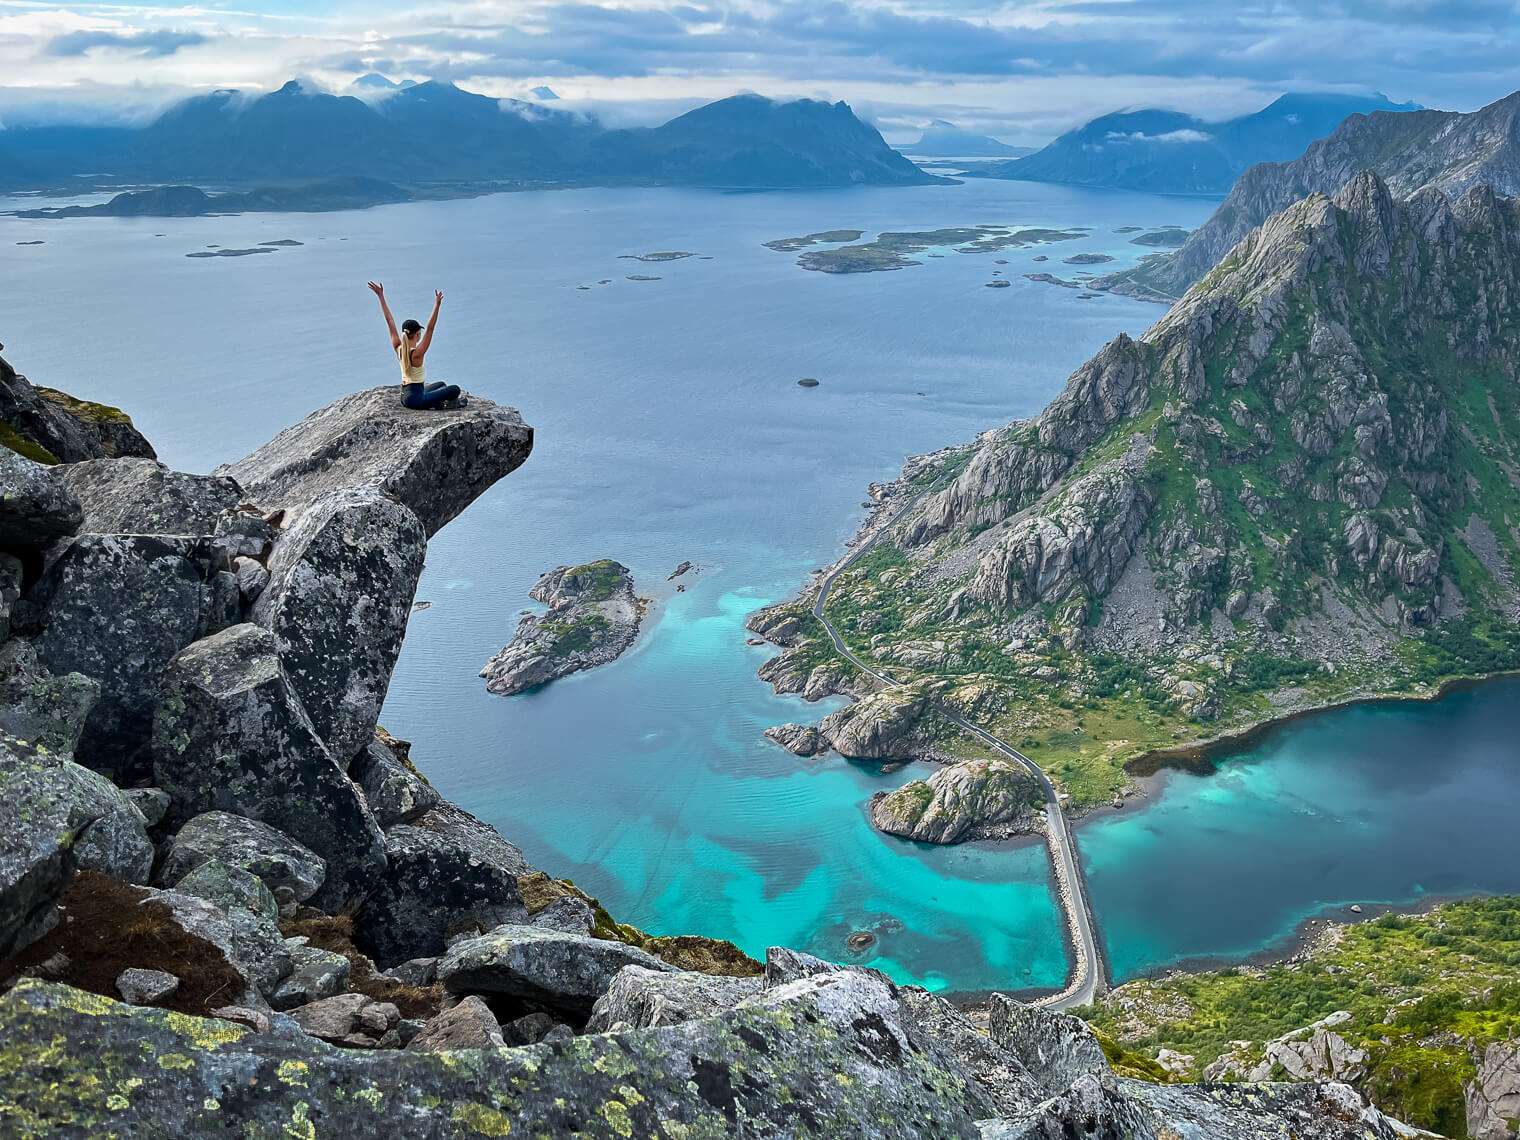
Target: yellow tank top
column 410, row 373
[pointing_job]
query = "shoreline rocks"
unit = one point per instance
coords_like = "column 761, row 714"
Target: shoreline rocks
column 593, row 619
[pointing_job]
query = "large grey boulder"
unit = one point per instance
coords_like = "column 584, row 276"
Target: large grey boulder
column 251, row 942
column 230, row 735
column 445, row 871
column 394, row 790
column 36, row 507
column 57, row 817
column 38, row 707
column 116, row 608
column 315, row 974
column 468, row 1025
column 142, row 496
column 271, row 855
column 436, row 463
column 230, row 888
column 568, row 972
column 640, row 998
column 341, row 581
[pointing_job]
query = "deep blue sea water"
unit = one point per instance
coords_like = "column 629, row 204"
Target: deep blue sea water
column 670, row 427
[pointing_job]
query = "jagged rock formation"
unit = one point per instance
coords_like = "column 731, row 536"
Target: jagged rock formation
column 975, row 799
column 593, row 619
column 333, row 948
column 51, row 426
column 1410, row 150
column 1307, row 461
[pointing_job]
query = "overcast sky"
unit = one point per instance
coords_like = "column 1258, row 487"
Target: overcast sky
column 1023, row 71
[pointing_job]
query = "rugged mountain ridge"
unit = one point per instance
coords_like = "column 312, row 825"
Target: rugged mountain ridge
column 1411, row 151
column 1168, row 152
column 328, row 946
column 1297, row 487
column 433, row 134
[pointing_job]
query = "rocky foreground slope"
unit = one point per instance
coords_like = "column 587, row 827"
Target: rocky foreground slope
column 1299, row 486
column 231, row 904
column 1410, row 150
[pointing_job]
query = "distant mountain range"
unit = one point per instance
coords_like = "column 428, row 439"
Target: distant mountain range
column 946, row 140
column 435, row 132
column 1167, row 152
column 1444, row 150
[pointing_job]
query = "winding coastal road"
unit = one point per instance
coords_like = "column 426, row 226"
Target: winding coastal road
column 1087, row 978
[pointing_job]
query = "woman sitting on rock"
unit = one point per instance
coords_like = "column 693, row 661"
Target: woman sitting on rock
column 416, row 392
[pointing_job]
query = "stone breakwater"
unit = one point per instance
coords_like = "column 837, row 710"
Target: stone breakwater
column 231, row 902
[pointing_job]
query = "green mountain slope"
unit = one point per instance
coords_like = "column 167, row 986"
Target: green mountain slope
column 1302, row 485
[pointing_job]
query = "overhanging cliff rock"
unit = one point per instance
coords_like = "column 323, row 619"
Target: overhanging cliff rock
column 436, row 464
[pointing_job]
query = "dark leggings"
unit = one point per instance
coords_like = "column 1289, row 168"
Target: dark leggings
column 423, row 396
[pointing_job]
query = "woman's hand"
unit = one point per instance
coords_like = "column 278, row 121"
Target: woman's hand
column 438, row 299
column 377, row 289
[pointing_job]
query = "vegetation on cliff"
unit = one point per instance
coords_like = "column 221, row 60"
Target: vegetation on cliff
column 1426, row 996
column 1298, row 487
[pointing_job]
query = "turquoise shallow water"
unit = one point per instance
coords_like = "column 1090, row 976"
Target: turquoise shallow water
column 670, row 427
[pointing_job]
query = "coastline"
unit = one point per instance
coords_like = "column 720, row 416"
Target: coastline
column 1199, row 756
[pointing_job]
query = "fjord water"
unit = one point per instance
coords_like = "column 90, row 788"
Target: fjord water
column 670, row 427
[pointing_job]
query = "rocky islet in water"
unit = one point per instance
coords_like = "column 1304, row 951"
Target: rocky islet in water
column 593, row 619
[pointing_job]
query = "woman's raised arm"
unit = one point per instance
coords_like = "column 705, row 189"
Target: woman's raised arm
column 427, row 336
column 390, row 322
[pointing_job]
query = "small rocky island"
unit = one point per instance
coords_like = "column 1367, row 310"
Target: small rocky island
column 976, row 799
column 593, row 618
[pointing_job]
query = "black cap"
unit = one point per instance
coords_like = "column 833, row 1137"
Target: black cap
column 410, row 327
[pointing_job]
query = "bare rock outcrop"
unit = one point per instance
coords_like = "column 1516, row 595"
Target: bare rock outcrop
column 435, row 464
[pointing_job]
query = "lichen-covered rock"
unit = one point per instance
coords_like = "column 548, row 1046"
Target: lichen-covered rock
column 395, row 791
column 798, row 739
column 341, row 580
column 250, row 942
column 639, row 998
column 55, row 427
column 254, row 847
column 823, row 1058
column 975, row 799
column 145, row 987
column 142, row 496
column 568, row 972
column 468, row 1025
column 56, row 817
column 229, row 887
column 314, row 974
column 445, row 872
column 117, row 608
column 593, row 619
column 36, row 507
column 1493, row 1095
column 38, row 707
column 230, row 735
column 436, row 463
column 1054, row 1048
column 151, row 803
